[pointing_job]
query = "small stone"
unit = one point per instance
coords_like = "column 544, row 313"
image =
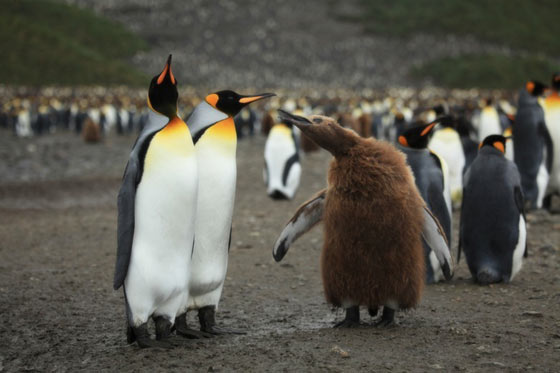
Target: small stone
column 340, row 351
column 532, row 314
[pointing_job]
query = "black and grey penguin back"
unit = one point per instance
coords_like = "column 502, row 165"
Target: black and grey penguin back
column 163, row 94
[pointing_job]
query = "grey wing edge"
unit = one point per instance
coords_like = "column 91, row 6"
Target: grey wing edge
column 125, row 229
column 306, row 217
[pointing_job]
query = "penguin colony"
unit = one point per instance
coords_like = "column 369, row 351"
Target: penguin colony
column 180, row 173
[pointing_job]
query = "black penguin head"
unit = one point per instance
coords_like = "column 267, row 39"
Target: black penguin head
column 231, row 103
column 535, row 88
column 163, row 95
column 439, row 109
column 495, row 141
column 555, row 81
column 417, row 136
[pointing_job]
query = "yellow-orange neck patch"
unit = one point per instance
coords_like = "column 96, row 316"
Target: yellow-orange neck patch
column 498, row 145
column 212, row 99
column 402, row 141
column 224, row 130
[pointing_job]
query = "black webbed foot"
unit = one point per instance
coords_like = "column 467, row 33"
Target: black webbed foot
column 387, row 318
column 207, row 318
column 183, row 330
column 144, row 341
column 352, row 319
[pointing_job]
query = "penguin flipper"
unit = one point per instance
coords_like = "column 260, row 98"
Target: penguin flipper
column 306, row 217
column 127, row 195
column 435, row 238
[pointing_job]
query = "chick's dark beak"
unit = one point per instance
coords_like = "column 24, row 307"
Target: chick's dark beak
column 292, row 119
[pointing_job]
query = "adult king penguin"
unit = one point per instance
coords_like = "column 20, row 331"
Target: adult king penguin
column 431, row 177
column 157, row 206
column 374, row 222
column 282, row 169
column 213, row 131
column 489, row 121
column 532, row 146
column 552, row 119
column 447, row 143
column 493, row 232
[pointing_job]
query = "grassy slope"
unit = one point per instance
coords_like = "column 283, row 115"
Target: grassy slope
column 52, row 43
column 520, row 24
column 486, row 71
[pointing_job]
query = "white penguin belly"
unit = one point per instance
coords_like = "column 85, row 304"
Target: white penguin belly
column 553, row 124
column 166, row 197
column 542, row 181
column 489, row 124
column 517, row 259
column 278, row 149
column 216, row 196
column 448, row 145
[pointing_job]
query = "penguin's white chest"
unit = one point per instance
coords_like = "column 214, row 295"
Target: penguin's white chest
column 217, row 174
column 280, row 174
column 165, row 208
column 447, row 144
column 489, row 123
column 552, row 119
column 517, row 258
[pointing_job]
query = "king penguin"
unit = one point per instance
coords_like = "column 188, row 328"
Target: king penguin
column 446, row 142
column 213, row 132
column 157, row 209
column 493, row 226
column 431, row 178
column 282, row 168
column 552, row 119
column 489, row 121
column 374, row 221
column 532, row 145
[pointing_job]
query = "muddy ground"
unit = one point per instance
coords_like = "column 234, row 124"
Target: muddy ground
column 60, row 313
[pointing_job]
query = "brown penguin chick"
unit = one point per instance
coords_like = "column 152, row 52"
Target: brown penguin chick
column 373, row 223
column 91, row 131
column 365, row 125
column 267, row 123
column 307, row 145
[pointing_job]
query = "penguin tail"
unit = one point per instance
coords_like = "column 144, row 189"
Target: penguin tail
column 130, row 336
column 278, row 195
column 486, row 276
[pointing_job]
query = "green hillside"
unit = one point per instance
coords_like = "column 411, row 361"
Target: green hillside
column 486, row 71
column 530, row 26
column 45, row 42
